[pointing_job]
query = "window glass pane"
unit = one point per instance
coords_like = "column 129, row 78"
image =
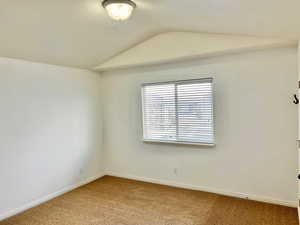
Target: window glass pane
column 159, row 112
column 195, row 112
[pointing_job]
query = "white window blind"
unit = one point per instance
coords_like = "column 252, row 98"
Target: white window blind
column 180, row 111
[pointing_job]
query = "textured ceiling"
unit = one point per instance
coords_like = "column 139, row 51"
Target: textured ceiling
column 78, row 32
column 164, row 48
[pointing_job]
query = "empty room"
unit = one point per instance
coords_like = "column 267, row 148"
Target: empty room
column 149, row 112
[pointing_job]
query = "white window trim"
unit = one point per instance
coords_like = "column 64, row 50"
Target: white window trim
column 180, row 142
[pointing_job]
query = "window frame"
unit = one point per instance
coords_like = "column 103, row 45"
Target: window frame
column 176, row 82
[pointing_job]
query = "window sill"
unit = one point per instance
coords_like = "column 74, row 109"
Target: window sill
column 179, row 143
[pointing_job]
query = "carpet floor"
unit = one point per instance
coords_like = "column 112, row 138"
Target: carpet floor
column 116, row 201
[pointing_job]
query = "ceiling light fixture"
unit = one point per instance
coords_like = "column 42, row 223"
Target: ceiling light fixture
column 119, row 9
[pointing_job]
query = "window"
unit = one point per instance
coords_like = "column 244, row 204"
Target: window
column 179, row 112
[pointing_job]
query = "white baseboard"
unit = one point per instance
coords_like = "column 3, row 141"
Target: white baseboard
column 206, row 189
column 298, row 214
column 49, row 197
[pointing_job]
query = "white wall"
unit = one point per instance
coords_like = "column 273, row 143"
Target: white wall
column 256, row 127
column 50, row 131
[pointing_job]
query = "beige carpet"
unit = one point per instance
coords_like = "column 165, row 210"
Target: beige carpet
column 116, row 201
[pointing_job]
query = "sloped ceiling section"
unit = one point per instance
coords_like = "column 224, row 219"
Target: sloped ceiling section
column 175, row 46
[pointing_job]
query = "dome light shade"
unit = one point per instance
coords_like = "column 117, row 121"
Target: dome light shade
column 119, row 9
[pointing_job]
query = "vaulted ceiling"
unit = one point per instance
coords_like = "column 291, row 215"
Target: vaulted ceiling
column 79, row 33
